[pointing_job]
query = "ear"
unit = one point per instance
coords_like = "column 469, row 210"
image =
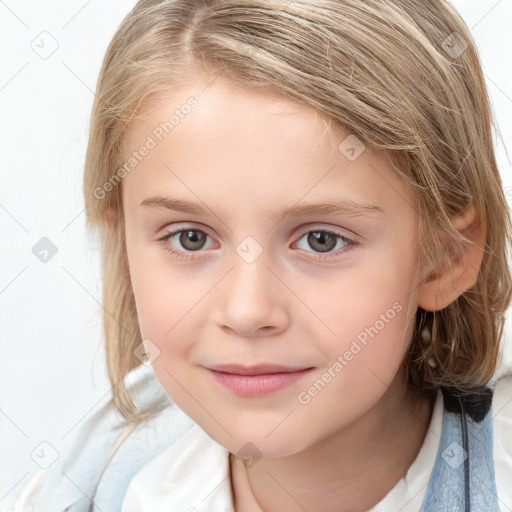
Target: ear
column 440, row 288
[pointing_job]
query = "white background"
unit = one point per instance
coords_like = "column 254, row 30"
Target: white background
column 52, row 370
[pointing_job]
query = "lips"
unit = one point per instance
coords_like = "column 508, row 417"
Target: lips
column 257, row 380
column 258, row 369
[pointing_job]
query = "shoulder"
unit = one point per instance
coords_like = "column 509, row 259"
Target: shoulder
column 170, row 480
column 105, row 452
column 502, row 428
column 502, row 408
column 503, row 385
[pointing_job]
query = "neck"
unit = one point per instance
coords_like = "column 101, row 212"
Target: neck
column 351, row 471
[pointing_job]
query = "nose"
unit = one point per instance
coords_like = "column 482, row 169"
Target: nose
column 252, row 299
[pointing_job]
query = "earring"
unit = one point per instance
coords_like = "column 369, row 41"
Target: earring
column 425, row 333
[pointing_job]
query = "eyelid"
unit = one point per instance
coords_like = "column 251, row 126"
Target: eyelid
column 190, row 226
column 334, row 231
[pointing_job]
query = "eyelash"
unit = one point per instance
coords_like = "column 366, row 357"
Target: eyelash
column 164, row 241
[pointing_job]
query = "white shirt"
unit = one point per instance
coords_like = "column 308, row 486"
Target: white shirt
column 192, row 475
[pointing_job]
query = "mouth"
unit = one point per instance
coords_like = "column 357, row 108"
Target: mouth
column 258, row 369
column 257, row 380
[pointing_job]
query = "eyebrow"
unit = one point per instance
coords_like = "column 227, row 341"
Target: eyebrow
column 337, row 207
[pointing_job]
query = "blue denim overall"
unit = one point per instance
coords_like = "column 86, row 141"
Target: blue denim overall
column 462, row 480
column 463, row 477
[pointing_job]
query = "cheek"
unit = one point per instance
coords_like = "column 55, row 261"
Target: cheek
column 166, row 313
column 369, row 344
column 171, row 313
column 369, row 318
column 160, row 296
column 362, row 359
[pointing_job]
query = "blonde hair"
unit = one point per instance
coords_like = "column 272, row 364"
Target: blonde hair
column 397, row 74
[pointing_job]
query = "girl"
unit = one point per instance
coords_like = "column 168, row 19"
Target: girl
column 305, row 265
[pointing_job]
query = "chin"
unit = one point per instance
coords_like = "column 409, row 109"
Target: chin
column 255, row 443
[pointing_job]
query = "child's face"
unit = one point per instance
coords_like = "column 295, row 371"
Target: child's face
column 306, row 301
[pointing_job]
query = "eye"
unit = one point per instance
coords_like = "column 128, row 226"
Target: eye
column 193, row 240
column 324, row 241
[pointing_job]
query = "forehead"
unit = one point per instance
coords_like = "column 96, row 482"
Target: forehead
column 207, row 101
column 216, row 139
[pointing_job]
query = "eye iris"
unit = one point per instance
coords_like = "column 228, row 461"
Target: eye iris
column 193, row 237
column 326, row 241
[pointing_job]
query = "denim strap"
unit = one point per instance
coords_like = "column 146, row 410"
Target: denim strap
column 465, row 450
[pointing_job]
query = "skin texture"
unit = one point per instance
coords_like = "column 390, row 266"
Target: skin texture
column 249, row 154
